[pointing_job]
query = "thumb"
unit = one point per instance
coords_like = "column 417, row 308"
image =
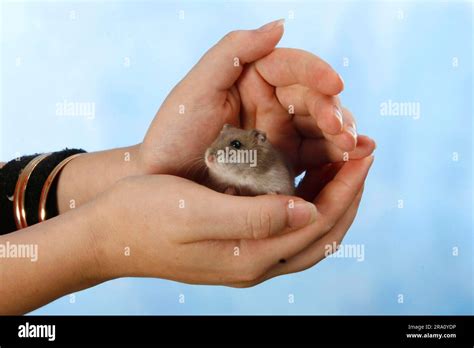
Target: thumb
column 235, row 217
column 222, row 65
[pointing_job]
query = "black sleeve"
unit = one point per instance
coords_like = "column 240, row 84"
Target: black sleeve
column 8, row 177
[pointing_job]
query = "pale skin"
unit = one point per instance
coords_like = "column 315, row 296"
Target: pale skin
column 162, row 220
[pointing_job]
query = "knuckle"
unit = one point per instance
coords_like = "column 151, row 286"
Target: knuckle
column 313, row 102
column 344, row 185
column 254, row 274
column 324, row 223
column 259, row 223
column 231, row 36
column 246, row 271
column 239, row 285
column 328, row 225
column 243, row 285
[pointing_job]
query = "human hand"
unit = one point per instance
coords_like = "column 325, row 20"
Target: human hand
column 179, row 230
column 243, row 80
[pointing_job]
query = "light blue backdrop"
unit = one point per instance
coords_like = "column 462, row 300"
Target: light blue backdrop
column 415, row 221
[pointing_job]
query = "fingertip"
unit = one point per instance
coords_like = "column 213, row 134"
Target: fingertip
column 373, row 145
column 348, row 141
column 365, row 145
column 273, row 31
column 374, row 142
column 369, row 160
column 334, row 84
column 338, row 123
column 371, row 142
column 330, row 120
column 278, row 24
column 340, row 84
column 362, row 166
column 301, row 213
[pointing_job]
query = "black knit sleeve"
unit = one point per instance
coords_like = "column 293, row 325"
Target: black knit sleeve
column 9, row 174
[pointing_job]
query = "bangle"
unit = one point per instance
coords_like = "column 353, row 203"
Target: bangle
column 20, row 188
column 47, row 186
column 13, row 216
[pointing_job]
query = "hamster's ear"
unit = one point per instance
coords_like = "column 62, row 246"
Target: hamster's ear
column 227, row 126
column 260, row 136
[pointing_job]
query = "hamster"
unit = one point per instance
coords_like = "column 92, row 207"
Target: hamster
column 243, row 162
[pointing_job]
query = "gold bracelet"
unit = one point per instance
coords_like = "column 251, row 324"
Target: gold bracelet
column 47, row 185
column 20, row 189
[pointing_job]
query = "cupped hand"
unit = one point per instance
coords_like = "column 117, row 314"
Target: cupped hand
column 169, row 227
column 243, row 80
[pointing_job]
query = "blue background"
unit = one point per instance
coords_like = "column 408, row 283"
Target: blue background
column 401, row 51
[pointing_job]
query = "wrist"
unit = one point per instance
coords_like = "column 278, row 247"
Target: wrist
column 132, row 164
column 86, row 176
column 103, row 236
column 114, row 232
column 152, row 159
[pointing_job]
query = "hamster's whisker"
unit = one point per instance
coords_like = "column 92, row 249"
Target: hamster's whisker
column 190, row 162
column 194, row 167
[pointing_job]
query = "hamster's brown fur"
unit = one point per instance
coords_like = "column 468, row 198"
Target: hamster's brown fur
column 268, row 173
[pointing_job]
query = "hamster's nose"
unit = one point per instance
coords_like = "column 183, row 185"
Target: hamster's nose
column 211, row 158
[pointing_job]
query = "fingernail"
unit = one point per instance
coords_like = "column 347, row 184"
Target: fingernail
column 338, row 114
column 352, row 131
column 375, row 143
column 272, row 25
column 301, row 213
column 342, row 80
column 370, row 159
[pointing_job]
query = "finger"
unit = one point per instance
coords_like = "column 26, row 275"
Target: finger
column 346, row 140
column 332, row 203
column 292, row 98
column 319, row 111
column 326, row 111
column 316, row 152
column 307, row 126
column 286, row 66
column 221, row 66
column 320, row 248
column 338, row 194
column 222, row 216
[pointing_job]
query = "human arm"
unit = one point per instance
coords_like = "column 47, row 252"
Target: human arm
column 61, row 259
column 176, row 229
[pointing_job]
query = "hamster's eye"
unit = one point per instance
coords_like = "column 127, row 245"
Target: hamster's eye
column 236, row 144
